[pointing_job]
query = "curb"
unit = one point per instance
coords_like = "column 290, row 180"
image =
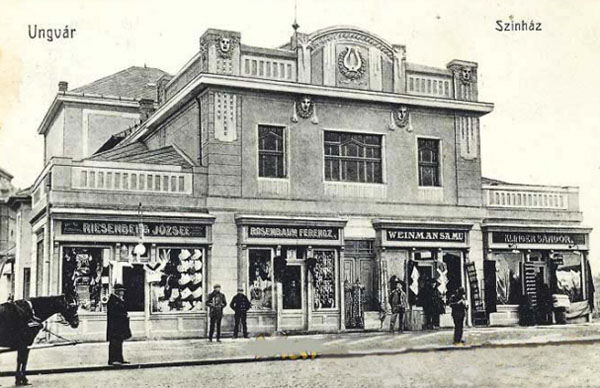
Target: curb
column 331, row 355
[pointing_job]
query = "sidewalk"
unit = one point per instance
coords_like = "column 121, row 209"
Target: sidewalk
column 146, row 354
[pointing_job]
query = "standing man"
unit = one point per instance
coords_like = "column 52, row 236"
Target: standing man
column 458, row 303
column 117, row 328
column 240, row 304
column 398, row 303
column 217, row 302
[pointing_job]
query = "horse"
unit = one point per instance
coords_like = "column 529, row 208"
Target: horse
column 21, row 321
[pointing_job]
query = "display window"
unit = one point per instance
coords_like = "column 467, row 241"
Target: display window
column 569, row 276
column 508, row 277
column 177, row 279
column 324, row 279
column 260, row 279
column 85, row 274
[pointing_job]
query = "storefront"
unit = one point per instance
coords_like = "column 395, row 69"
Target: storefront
column 529, row 271
column 162, row 261
column 422, row 255
column 290, row 269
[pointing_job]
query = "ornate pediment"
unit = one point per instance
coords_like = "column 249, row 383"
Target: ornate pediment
column 350, row 35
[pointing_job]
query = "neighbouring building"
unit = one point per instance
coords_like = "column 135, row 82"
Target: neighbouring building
column 7, row 238
column 310, row 175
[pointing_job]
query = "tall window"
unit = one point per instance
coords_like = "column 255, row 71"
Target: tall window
column 351, row 157
column 260, row 279
column 271, row 152
column 429, row 162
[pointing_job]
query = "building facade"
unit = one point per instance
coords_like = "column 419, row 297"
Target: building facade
column 311, row 175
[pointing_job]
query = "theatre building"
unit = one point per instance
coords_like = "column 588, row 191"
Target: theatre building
column 312, row 175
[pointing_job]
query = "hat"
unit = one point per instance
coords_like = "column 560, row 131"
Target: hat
column 217, row 286
column 118, row 287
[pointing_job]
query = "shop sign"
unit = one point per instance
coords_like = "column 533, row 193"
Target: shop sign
column 538, row 238
column 433, row 235
column 294, row 232
column 117, row 228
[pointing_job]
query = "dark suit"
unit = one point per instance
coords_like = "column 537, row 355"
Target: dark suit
column 240, row 304
column 459, row 308
column 217, row 302
column 117, row 328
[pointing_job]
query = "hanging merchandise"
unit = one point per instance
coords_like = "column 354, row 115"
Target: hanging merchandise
column 181, row 280
column 324, row 279
column 442, row 277
column 414, row 276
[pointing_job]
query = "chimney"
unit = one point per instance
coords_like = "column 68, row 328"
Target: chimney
column 63, row 86
column 146, row 108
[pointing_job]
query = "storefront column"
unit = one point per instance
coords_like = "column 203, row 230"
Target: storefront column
column 341, row 293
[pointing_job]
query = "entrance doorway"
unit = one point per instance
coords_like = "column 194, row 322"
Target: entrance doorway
column 358, row 266
column 293, row 313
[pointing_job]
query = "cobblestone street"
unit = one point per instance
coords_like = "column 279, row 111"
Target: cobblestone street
column 544, row 366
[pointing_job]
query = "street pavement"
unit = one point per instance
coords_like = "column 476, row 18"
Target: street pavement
column 543, row 366
column 92, row 356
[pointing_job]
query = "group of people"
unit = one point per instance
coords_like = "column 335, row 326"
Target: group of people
column 118, row 329
column 433, row 306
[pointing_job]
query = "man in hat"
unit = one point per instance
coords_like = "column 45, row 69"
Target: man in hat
column 117, row 328
column 458, row 303
column 398, row 303
column 217, row 302
column 240, row 304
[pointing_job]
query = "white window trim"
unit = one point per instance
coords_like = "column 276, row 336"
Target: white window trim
column 440, row 163
column 356, row 131
column 286, row 153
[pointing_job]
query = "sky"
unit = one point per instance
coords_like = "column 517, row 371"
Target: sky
column 545, row 84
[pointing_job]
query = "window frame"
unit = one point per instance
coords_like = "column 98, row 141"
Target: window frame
column 83, row 245
column 336, row 281
column 286, row 151
column 202, row 309
column 273, row 283
column 383, row 165
column 440, row 174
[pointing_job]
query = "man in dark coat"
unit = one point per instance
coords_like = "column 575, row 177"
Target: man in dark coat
column 398, row 303
column 458, row 303
column 216, row 302
column 117, row 328
column 240, row 304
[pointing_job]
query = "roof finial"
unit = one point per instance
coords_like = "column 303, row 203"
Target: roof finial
column 295, row 26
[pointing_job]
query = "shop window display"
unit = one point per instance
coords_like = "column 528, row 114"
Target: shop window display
column 86, row 275
column 568, row 277
column 508, row 278
column 177, row 280
column 260, row 279
column 324, row 279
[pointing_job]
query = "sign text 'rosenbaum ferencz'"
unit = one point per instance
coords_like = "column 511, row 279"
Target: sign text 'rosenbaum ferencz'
column 116, row 228
column 293, row 232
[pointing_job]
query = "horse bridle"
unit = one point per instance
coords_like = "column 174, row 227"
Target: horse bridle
column 35, row 318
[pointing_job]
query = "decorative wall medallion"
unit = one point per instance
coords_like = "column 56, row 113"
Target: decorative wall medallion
column 351, row 63
column 305, row 108
column 400, row 118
